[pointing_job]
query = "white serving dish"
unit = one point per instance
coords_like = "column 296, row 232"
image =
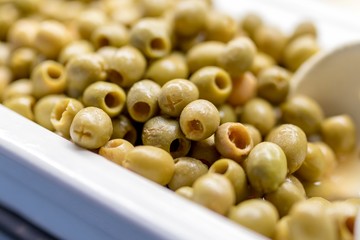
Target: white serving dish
column 76, row 194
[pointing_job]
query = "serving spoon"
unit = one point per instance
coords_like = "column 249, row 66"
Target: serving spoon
column 332, row 78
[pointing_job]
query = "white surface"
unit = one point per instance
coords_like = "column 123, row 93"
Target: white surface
column 79, row 195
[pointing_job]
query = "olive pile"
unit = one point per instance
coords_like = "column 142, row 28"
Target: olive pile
column 188, row 97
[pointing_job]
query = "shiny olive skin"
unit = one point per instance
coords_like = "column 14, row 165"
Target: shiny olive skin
column 175, row 95
column 292, row 141
column 219, row 26
column 274, row 84
column 254, row 133
column 238, row 56
column 313, row 168
column 126, row 66
column 287, row 195
column 19, row 87
column 298, row 51
column 22, row 105
column 194, row 121
column 266, row 167
column 310, row 220
column 189, row 17
column 232, row 140
column 270, row 40
column 115, row 150
column 215, row 192
column 259, row 113
column 105, row 95
column 43, row 109
column 261, row 62
column 62, row 115
column 73, row 49
column 91, row 128
column 303, row 112
column 187, row 170
column 115, row 35
column 168, row 68
column 123, row 128
column 151, row 37
column 331, row 161
column 165, row 133
column 83, row 70
column 185, row 192
column 204, row 54
column 235, row 173
column 256, row 214
column 214, row 84
column 142, row 100
column 48, row 77
column 339, row 132
column 150, row 162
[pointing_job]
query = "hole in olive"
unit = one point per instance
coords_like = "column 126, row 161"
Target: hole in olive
column 221, row 168
column 53, row 72
column 350, row 224
column 112, row 100
column 157, row 44
column 239, row 137
column 221, row 82
column 130, row 136
column 141, row 109
column 176, row 145
column 195, row 126
column 115, row 76
column 103, row 41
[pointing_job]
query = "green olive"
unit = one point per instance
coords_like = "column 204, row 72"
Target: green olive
column 165, row 133
column 43, row 109
column 250, row 23
column 151, row 37
column 214, row 84
column 62, row 115
column 238, row 56
column 303, row 112
column 266, row 167
column 105, row 95
column 313, row 168
column 115, row 150
column 22, row 32
column 330, row 158
column 227, row 113
column 219, row 26
column 299, row 50
column 83, row 70
column 175, row 95
column 91, row 128
column 74, row 49
column 259, row 113
column 168, row 68
column 235, row 173
column 195, row 120
column 126, row 66
column 88, row 21
column 19, row 87
column 48, row 77
column 286, row 195
column 5, row 80
column 261, row 62
column 115, row 35
column 142, row 100
column 339, row 132
column 150, row 162
column 256, row 214
column 185, row 192
column 254, row 133
column 123, row 128
column 22, row 61
column 204, row 54
column 187, row 170
column 293, row 142
column 274, row 84
column 215, row 192
column 22, row 105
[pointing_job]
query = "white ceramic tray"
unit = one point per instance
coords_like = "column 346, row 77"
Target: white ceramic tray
column 76, row 194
